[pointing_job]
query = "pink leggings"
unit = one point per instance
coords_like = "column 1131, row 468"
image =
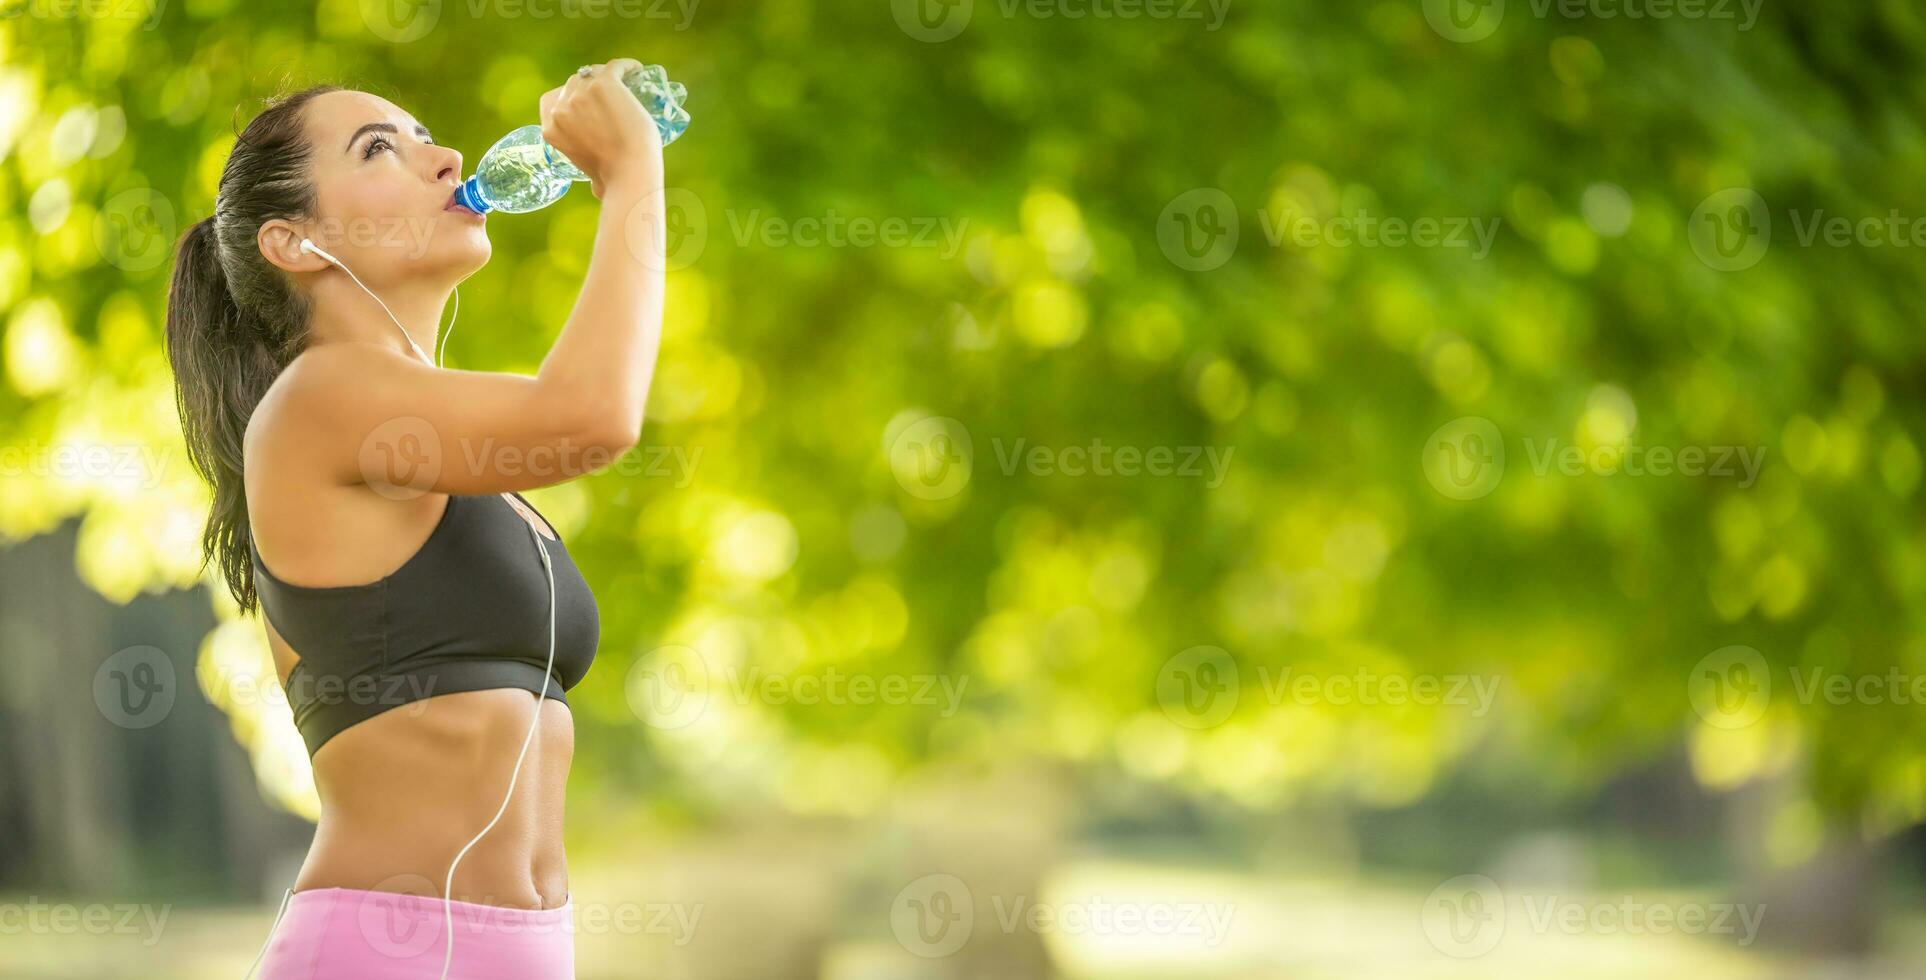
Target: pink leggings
column 343, row 933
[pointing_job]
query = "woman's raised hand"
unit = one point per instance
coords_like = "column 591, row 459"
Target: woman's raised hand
column 602, row 128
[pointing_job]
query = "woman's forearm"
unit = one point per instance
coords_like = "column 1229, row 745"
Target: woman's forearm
column 605, row 355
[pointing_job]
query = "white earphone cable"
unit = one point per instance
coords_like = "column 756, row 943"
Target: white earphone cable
column 308, row 245
column 441, row 342
column 448, row 911
column 270, row 939
column 548, row 567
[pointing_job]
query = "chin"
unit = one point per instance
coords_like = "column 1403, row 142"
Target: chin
column 475, row 252
column 461, row 254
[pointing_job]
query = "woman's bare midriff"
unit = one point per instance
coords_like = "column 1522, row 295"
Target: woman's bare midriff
column 402, row 792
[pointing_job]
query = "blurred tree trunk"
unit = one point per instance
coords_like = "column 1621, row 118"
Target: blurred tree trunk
column 998, row 833
column 1824, row 905
column 91, row 805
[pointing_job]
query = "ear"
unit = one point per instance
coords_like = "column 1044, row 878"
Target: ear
column 280, row 243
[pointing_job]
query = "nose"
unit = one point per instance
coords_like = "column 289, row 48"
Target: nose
column 448, row 166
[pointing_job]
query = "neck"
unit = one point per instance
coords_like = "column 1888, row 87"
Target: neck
column 342, row 311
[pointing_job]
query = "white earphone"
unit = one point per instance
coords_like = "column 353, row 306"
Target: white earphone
column 448, row 913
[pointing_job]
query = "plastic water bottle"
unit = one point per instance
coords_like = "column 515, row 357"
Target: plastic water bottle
column 522, row 173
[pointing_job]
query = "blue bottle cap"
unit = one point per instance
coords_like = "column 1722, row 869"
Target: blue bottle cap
column 468, row 195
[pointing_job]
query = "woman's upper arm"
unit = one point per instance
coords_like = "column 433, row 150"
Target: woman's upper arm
column 364, row 414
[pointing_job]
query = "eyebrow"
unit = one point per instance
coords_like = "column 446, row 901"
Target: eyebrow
column 379, row 127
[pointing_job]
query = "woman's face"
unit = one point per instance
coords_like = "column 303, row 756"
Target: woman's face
column 382, row 193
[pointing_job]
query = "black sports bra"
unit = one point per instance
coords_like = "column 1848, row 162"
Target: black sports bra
column 467, row 612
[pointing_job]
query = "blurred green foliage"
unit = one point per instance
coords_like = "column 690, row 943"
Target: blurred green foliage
column 785, row 538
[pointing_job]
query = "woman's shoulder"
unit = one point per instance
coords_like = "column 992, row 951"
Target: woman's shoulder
column 315, row 385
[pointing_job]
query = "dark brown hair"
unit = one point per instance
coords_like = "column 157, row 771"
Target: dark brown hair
column 234, row 320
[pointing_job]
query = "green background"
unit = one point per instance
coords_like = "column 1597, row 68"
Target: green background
column 1658, row 278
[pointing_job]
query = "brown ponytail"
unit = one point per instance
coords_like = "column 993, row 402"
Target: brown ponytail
column 234, row 321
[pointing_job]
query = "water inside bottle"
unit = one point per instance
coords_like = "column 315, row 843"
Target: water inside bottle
column 520, row 178
column 521, row 172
